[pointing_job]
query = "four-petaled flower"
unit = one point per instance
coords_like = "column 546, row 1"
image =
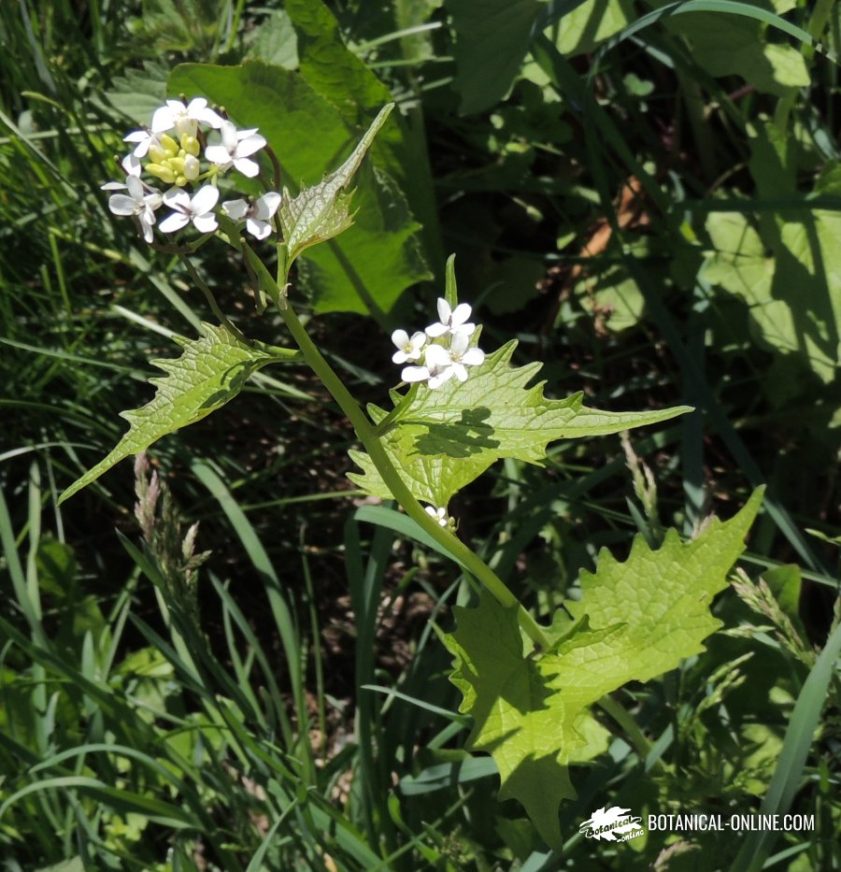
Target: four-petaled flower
column 462, row 356
column 198, row 209
column 235, row 149
column 143, row 139
column 258, row 215
column 184, row 119
column 451, row 320
column 438, row 514
column 139, row 201
column 408, row 348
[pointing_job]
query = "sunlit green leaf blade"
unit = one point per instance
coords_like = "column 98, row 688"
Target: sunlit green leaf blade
column 447, row 437
column 636, row 619
column 210, row 372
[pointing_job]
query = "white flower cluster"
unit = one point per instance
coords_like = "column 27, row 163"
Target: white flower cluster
column 437, row 362
column 170, row 151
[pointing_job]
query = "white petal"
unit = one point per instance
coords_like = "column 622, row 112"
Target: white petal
column 415, row 374
column 247, row 166
column 267, row 205
column 437, row 329
column 250, row 145
column 163, row 119
column 467, row 329
column 131, row 165
column 228, row 132
column 120, row 204
column 400, row 357
column 147, row 228
column 236, row 209
column 441, row 378
column 244, row 134
column 258, row 229
column 473, row 357
column 219, row 155
column 437, row 356
column 431, row 511
column 174, row 221
column 460, row 314
column 135, row 188
column 177, row 198
column 205, row 223
column 136, row 136
column 400, row 338
column 113, row 186
column 444, row 311
column 418, row 340
column 459, row 343
column 460, row 372
column 153, row 200
column 204, row 200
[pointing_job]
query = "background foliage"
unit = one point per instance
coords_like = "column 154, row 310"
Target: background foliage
column 645, row 196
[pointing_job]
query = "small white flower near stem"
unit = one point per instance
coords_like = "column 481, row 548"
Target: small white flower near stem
column 185, row 119
column 235, row 150
column 140, row 201
column 198, row 209
column 257, row 215
column 131, row 167
column 436, row 370
column 439, row 515
column 143, row 140
column 461, row 356
column 451, row 320
column 408, row 348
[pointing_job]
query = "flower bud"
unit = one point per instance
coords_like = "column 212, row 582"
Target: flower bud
column 162, row 172
column 190, row 144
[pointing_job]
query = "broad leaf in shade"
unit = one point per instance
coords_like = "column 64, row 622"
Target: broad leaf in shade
column 492, row 38
column 210, row 372
column 375, row 260
column 636, row 619
column 445, row 438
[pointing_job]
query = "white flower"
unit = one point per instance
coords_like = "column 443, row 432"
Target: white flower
column 452, row 320
column 258, row 215
column 198, row 209
column 131, row 167
column 236, row 148
column 461, row 356
column 438, row 514
column 140, row 201
column 407, row 348
column 144, row 139
column 184, row 119
column 437, row 368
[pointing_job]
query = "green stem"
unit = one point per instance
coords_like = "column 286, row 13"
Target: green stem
column 368, row 436
column 629, row 726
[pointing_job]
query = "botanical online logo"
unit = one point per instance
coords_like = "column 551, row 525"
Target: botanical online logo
column 612, row 824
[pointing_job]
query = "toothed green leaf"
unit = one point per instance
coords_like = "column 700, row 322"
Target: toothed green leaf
column 210, row 372
column 322, row 211
column 636, row 619
column 445, row 438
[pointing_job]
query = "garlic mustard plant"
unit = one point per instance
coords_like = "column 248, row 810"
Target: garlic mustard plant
column 457, row 412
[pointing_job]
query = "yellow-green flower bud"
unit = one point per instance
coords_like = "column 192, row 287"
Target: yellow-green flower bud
column 190, row 144
column 169, row 145
column 177, row 165
column 162, row 172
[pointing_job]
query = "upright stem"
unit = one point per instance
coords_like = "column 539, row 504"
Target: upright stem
column 368, row 436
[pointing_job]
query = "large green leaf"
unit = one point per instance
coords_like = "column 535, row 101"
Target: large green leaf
column 445, row 438
column 210, row 372
column 741, row 48
column 492, row 38
column 590, row 24
column 788, row 271
column 636, row 619
column 347, row 83
column 380, row 255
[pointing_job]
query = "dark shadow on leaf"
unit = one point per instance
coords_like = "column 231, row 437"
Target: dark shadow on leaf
column 469, row 435
column 233, row 381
